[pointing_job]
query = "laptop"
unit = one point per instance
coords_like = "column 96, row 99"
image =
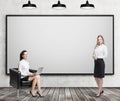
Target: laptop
column 39, row 71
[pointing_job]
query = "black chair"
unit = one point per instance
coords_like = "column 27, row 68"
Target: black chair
column 17, row 82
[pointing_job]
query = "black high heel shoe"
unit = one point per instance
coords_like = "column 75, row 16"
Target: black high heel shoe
column 32, row 94
column 100, row 94
column 102, row 91
column 39, row 94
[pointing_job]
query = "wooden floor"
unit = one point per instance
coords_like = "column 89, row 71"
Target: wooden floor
column 61, row 94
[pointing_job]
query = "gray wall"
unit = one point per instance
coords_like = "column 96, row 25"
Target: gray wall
column 44, row 7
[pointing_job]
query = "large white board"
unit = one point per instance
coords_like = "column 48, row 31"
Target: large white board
column 62, row 44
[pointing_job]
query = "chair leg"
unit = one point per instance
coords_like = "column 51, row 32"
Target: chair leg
column 28, row 90
column 18, row 95
column 9, row 87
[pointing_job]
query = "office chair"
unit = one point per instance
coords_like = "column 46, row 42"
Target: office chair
column 17, row 82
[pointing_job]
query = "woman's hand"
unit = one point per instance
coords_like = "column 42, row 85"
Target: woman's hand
column 95, row 57
column 35, row 74
column 32, row 74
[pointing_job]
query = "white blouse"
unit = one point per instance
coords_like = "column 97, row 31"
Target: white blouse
column 100, row 51
column 24, row 68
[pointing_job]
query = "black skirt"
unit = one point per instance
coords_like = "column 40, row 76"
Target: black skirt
column 99, row 69
column 25, row 78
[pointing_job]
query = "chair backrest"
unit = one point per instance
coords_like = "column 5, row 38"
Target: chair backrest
column 15, row 77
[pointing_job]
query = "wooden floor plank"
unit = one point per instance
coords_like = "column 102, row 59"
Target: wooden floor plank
column 62, row 94
column 55, row 95
column 87, row 95
column 74, row 95
column 80, row 94
column 113, row 95
column 49, row 95
column 68, row 96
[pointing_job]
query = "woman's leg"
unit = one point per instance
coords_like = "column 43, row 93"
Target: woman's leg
column 100, row 84
column 36, row 80
column 38, row 84
column 33, row 83
column 97, row 81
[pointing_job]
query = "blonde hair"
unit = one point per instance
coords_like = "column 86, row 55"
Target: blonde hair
column 97, row 44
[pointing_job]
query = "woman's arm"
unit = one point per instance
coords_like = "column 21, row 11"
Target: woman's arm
column 24, row 71
column 94, row 56
column 20, row 68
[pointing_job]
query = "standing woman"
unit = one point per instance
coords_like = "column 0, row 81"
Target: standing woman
column 26, row 75
column 100, row 52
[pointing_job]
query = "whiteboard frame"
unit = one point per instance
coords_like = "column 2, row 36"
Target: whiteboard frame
column 6, row 47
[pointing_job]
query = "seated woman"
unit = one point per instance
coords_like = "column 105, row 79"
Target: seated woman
column 26, row 75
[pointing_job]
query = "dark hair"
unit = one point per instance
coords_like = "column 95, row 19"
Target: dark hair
column 21, row 54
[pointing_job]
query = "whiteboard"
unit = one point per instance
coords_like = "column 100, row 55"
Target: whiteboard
column 62, row 44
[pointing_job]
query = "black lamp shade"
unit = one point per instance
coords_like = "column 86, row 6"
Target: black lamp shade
column 58, row 5
column 87, row 5
column 29, row 5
